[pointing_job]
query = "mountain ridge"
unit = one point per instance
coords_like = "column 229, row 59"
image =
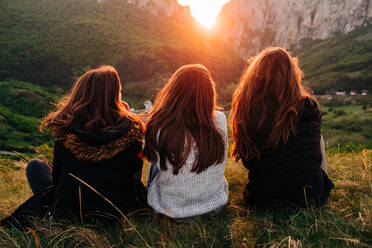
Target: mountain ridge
column 251, row 25
column 51, row 42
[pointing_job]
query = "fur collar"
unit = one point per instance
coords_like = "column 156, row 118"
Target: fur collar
column 87, row 152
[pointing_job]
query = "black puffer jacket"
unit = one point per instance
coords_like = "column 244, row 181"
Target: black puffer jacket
column 292, row 172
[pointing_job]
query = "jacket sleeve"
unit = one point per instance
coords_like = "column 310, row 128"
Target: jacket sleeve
column 135, row 159
column 56, row 164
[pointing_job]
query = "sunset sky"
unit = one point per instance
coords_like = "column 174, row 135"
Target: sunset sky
column 204, row 11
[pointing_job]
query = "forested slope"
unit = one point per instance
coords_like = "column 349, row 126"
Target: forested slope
column 49, row 42
column 341, row 63
column 22, row 105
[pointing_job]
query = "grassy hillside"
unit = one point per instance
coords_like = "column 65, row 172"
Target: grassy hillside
column 345, row 222
column 22, row 105
column 341, row 63
column 49, row 42
column 347, row 127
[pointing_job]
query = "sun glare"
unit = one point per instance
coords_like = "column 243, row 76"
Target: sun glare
column 204, row 11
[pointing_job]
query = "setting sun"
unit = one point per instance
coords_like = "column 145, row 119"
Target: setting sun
column 204, row 11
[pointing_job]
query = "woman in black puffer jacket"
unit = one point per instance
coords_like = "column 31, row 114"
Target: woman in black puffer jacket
column 276, row 131
column 97, row 165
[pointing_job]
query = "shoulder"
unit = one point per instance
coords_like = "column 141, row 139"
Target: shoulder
column 219, row 117
column 311, row 110
column 311, row 102
column 220, row 121
column 105, row 145
column 311, row 117
column 136, row 131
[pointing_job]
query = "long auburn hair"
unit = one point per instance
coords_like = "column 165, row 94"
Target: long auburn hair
column 274, row 76
column 93, row 104
column 183, row 116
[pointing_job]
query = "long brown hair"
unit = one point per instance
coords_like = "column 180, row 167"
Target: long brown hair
column 93, row 104
column 182, row 115
column 274, row 76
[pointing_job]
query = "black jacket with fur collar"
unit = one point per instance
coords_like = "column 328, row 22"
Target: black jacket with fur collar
column 94, row 173
column 91, row 166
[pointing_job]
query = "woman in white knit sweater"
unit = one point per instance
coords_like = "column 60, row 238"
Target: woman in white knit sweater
column 186, row 142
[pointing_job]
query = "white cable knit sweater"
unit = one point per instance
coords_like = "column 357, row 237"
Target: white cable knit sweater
column 189, row 194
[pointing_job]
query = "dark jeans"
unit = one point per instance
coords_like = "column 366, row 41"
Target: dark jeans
column 152, row 174
column 39, row 175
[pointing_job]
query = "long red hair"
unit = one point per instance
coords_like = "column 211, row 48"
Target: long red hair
column 93, row 104
column 183, row 115
column 274, row 76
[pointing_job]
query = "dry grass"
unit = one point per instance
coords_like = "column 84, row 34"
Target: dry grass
column 14, row 188
column 345, row 222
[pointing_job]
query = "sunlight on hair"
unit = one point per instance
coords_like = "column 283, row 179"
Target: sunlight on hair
column 204, row 11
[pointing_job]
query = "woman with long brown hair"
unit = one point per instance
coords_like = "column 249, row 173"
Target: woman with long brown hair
column 276, row 132
column 97, row 166
column 186, row 141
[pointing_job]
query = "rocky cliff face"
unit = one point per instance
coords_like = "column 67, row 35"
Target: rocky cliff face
column 162, row 7
column 251, row 25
